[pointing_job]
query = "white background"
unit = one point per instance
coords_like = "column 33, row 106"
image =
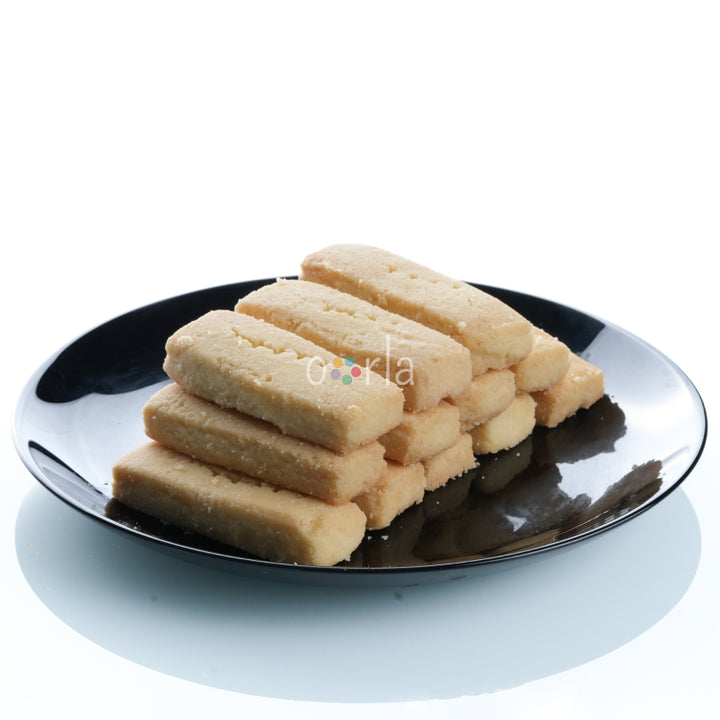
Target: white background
column 565, row 149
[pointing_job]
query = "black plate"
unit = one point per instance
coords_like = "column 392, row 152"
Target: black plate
column 82, row 410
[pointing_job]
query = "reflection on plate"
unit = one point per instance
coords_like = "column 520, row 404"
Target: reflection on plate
column 82, row 410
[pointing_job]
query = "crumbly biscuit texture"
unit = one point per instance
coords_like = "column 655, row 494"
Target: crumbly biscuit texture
column 496, row 335
column 488, row 395
column 423, row 434
column 323, row 407
column 449, row 463
column 546, row 364
column 274, row 524
column 582, row 385
column 220, row 436
column 244, row 363
column 401, row 487
column 427, row 365
column 507, row 429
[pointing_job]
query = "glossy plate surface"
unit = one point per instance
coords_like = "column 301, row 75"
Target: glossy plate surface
column 82, row 410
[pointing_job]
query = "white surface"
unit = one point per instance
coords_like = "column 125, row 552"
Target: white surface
column 570, row 151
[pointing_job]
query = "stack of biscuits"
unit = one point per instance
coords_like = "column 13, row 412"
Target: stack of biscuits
column 322, row 407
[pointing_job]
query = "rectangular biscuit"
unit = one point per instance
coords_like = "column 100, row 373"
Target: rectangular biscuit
column 241, row 362
column 401, row 487
column 488, row 395
column 274, row 524
column 582, row 385
column 428, row 366
column 496, row 335
column 547, row 363
column 449, row 463
column 225, row 437
column 507, row 429
column 423, row 434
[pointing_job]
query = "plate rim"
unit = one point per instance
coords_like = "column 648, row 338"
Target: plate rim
column 339, row 571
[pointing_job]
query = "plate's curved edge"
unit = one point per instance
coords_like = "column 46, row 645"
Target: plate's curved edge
column 331, row 575
column 259, row 567
column 337, row 572
column 635, row 338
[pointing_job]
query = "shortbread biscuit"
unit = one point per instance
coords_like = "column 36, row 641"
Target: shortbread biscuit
column 423, row 434
column 240, row 362
column 235, row 509
column 428, row 366
column 582, row 385
column 206, row 432
column 401, row 487
column 507, row 429
column 449, row 463
column 496, row 335
column 488, row 395
column 547, row 363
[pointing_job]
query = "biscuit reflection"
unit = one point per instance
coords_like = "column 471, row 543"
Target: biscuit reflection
column 495, row 471
column 514, row 500
column 634, row 489
column 392, row 546
column 510, row 502
column 588, row 433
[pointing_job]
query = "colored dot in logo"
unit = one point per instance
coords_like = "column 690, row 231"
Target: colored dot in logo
column 338, row 364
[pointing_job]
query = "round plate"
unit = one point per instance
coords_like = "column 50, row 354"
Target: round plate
column 82, row 410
